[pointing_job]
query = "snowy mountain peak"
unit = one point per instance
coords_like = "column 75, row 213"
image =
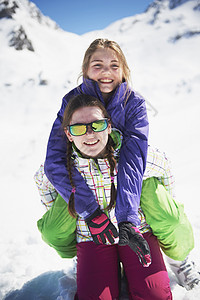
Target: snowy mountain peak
column 14, row 8
column 168, row 11
column 170, row 4
column 7, row 9
column 19, row 15
column 175, row 3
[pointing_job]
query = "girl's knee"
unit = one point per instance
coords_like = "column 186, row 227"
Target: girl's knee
column 158, row 286
column 154, row 287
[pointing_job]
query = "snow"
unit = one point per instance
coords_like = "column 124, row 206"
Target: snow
column 166, row 73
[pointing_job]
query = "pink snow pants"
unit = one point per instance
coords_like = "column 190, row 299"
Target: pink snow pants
column 98, row 272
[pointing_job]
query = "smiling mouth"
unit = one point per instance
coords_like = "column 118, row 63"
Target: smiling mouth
column 91, row 143
column 105, row 80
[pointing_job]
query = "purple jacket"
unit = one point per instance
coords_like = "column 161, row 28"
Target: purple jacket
column 130, row 117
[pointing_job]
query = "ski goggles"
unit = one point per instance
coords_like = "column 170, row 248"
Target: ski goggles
column 81, row 129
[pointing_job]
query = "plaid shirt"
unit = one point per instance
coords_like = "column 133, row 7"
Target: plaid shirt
column 159, row 166
column 97, row 175
column 46, row 190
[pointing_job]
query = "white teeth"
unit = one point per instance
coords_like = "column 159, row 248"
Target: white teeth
column 91, row 143
column 106, row 80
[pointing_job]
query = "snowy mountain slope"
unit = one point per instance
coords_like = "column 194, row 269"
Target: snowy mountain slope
column 39, row 38
column 162, row 48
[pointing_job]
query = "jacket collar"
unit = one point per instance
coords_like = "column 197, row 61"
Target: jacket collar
column 91, row 87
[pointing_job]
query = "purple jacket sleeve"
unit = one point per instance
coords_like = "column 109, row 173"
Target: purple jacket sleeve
column 56, row 171
column 133, row 123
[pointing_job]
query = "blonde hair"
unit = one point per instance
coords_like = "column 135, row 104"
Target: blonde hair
column 105, row 43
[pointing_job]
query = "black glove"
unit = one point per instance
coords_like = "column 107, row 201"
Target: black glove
column 131, row 236
column 101, row 227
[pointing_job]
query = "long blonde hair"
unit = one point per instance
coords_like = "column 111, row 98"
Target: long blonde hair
column 105, row 43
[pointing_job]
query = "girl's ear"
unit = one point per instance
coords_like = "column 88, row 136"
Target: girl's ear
column 69, row 136
column 109, row 128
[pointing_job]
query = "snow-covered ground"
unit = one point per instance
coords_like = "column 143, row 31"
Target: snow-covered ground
column 162, row 48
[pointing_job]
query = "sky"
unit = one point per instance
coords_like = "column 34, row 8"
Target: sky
column 80, row 16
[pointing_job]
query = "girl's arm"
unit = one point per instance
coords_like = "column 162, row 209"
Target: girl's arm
column 46, row 190
column 56, row 170
column 159, row 166
column 133, row 122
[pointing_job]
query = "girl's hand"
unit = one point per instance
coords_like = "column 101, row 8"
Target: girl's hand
column 131, row 236
column 101, row 228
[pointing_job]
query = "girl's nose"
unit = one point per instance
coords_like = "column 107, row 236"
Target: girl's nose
column 89, row 130
column 106, row 69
